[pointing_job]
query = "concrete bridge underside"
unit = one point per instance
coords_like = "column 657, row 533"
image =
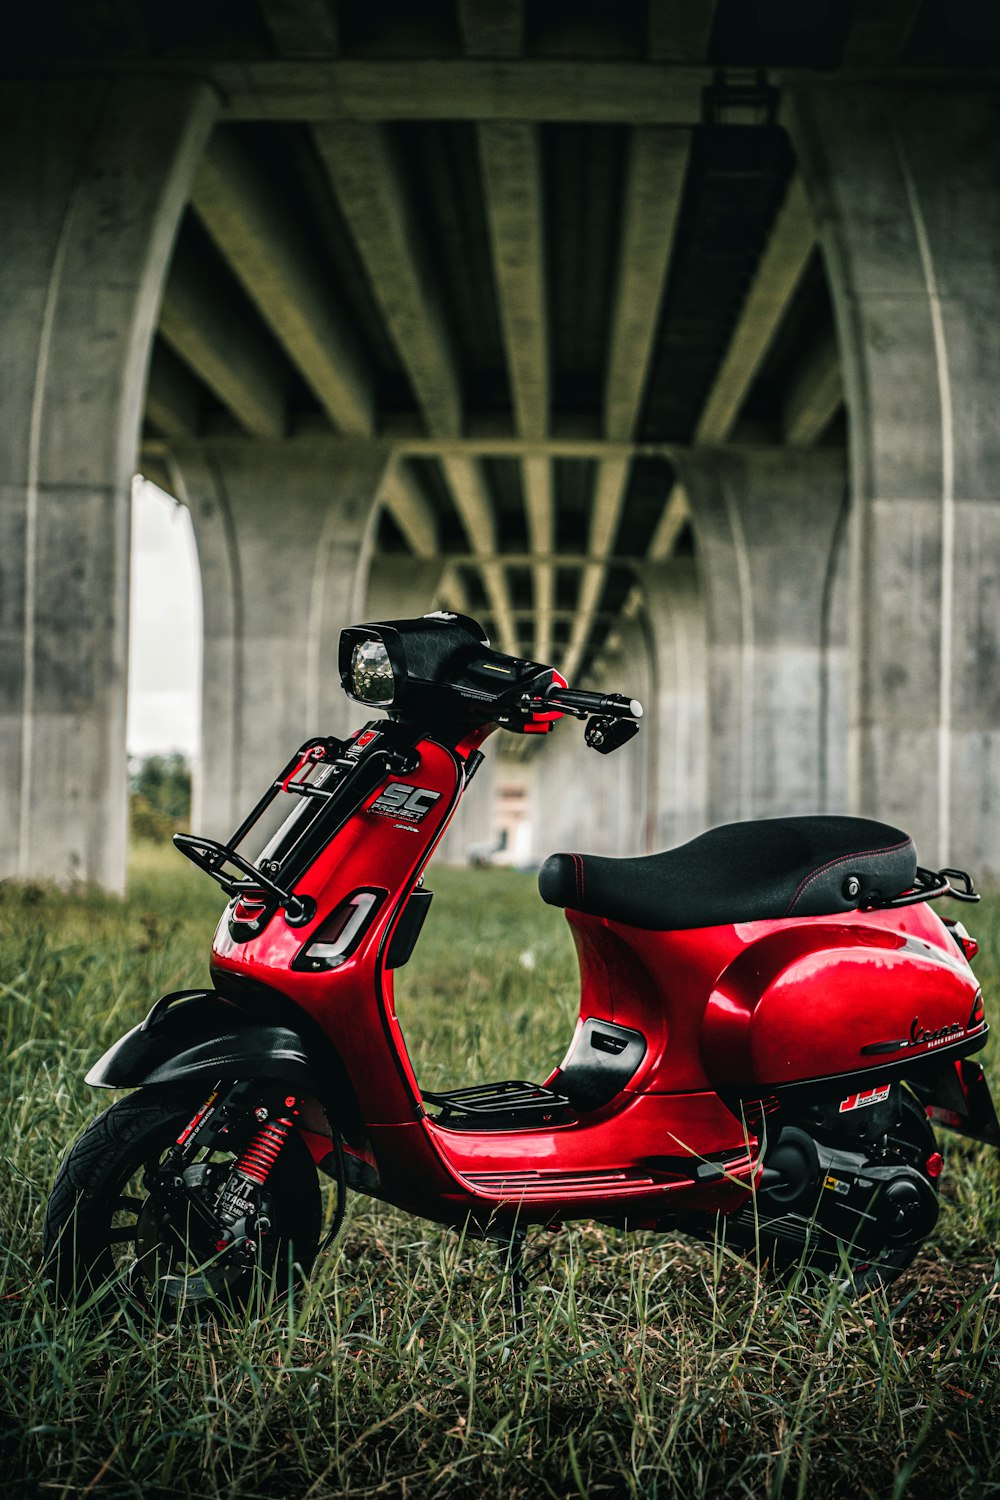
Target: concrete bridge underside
column 660, row 336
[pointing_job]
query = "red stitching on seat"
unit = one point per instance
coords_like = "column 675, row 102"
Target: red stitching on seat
column 841, row 860
column 578, row 870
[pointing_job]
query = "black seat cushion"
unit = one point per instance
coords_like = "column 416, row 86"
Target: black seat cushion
column 741, row 872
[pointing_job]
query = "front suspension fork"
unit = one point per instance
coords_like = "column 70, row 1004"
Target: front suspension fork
column 227, row 1220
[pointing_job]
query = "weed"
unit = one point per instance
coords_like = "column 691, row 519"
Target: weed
column 653, row 1367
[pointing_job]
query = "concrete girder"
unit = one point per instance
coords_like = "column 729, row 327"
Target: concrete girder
column 204, row 320
column 782, row 265
column 172, row 397
column 451, row 592
column 609, row 497
column 539, row 501
column 287, row 279
column 904, row 183
column 510, row 159
column 680, row 31
column 815, row 395
column 405, row 500
column 368, row 183
column 284, row 549
column 314, row 90
column 302, row 28
column 94, row 177
column 676, row 718
column 472, row 501
column 676, row 512
column 767, row 522
column 654, row 185
column 492, row 28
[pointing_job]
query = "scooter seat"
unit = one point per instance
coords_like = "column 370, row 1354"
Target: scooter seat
column 740, row 872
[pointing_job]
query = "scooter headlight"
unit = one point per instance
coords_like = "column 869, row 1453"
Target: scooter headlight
column 372, row 678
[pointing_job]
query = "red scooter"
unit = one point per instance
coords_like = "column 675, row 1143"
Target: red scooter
column 771, row 1018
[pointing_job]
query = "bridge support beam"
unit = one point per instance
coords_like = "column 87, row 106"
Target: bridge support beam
column 284, row 539
column 905, row 186
column 676, row 720
column 766, row 523
column 93, row 179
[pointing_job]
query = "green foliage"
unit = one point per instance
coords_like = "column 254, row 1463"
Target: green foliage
column 652, row 1367
column 159, row 796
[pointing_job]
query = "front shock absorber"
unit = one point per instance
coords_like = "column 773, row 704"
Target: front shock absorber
column 236, row 1208
column 260, row 1156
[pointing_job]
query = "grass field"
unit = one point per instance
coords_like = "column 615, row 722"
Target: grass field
column 652, row 1367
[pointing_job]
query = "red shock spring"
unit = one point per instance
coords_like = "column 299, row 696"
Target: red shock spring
column 261, row 1154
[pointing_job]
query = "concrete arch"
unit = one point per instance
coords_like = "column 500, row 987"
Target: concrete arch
column 903, row 183
column 283, row 539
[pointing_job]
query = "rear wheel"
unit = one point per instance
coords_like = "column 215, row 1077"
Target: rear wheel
column 112, row 1223
column 839, row 1212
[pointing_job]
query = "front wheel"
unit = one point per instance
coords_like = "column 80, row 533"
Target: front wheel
column 112, row 1223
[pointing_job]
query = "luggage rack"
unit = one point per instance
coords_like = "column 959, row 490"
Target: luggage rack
column 928, row 885
column 500, row 1105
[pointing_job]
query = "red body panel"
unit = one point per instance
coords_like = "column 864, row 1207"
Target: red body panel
column 748, row 1007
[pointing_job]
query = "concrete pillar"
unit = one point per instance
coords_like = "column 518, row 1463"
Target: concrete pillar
column 905, row 188
column 598, row 804
column 765, row 522
column 284, row 534
column 676, row 723
column 93, row 179
column 400, row 588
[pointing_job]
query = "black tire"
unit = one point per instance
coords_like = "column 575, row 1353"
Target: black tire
column 101, row 1222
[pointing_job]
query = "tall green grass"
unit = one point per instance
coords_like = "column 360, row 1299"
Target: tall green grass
column 651, row 1367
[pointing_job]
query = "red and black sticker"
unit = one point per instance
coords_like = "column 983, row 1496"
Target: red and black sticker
column 410, row 804
column 869, row 1096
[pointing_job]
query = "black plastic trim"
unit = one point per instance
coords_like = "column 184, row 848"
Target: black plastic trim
column 202, row 1037
column 408, row 929
column 602, row 1058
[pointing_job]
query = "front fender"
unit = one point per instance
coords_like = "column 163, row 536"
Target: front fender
column 196, row 1035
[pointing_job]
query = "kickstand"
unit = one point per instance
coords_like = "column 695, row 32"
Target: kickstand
column 512, row 1261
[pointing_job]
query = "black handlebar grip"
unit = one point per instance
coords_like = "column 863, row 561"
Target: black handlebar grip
column 615, row 704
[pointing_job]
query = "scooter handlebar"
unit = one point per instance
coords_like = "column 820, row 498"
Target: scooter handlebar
column 579, row 703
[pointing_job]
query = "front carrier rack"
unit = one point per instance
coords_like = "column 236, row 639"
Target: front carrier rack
column 332, row 777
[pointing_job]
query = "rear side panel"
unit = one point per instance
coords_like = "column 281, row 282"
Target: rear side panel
column 835, row 998
column 757, row 1005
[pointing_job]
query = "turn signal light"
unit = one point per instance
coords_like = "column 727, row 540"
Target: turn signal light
column 968, row 944
column 334, row 942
